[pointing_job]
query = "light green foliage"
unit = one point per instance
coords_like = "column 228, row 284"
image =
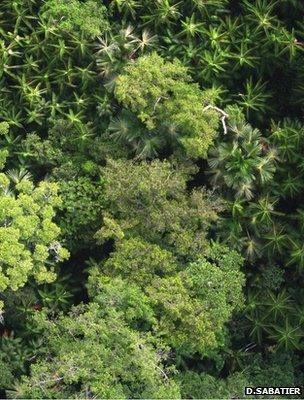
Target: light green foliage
column 4, row 128
column 194, row 301
column 74, row 15
column 28, row 237
column 161, row 92
column 96, row 355
column 125, row 297
column 144, row 82
column 3, row 156
column 140, row 261
column 151, row 200
column 198, row 301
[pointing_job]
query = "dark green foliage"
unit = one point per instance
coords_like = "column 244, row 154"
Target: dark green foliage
column 204, row 386
column 12, row 360
column 244, row 162
column 277, row 369
column 82, row 201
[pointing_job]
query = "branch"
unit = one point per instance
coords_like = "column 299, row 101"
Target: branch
column 158, row 100
column 223, row 114
column 163, row 372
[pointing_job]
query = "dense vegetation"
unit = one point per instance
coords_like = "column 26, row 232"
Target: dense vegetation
column 151, row 197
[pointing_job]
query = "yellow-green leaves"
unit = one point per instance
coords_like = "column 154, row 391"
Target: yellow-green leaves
column 162, row 96
column 155, row 291
column 90, row 351
column 28, row 237
column 150, row 199
column 73, row 15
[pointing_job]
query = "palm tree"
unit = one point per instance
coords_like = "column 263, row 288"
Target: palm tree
column 255, row 97
column 18, row 175
column 240, row 163
column 277, row 306
column 287, row 337
column 257, row 326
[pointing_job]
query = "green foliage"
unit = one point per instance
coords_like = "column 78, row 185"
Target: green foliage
column 79, row 215
column 276, row 369
column 27, row 234
column 153, row 291
column 14, row 355
column 139, row 261
column 151, row 200
column 47, row 73
column 6, row 141
column 69, row 150
column 93, row 354
column 204, row 386
column 56, row 296
column 244, row 161
column 161, row 93
column 73, row 15
column 196, row 303
column 106, row 104
column 153, row 211
column 6, row 378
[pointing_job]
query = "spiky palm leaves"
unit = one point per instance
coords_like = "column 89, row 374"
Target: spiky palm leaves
column 241, row 162
column 128, row 131
column 257, row 175
column 263, row 180
column 243, row 48
column 114, row 50
column 240, row 166
column 42, row 64
column 274, row 318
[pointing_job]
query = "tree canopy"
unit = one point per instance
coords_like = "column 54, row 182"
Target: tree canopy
column 151, row 186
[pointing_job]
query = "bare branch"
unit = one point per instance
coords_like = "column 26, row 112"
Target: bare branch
column 158, row 100
column 223, row 114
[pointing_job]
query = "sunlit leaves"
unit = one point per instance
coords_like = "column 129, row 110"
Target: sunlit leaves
column 87, row 17
column 190, row 26
column 261, row 13
column 27, row 231
column 161, row 94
